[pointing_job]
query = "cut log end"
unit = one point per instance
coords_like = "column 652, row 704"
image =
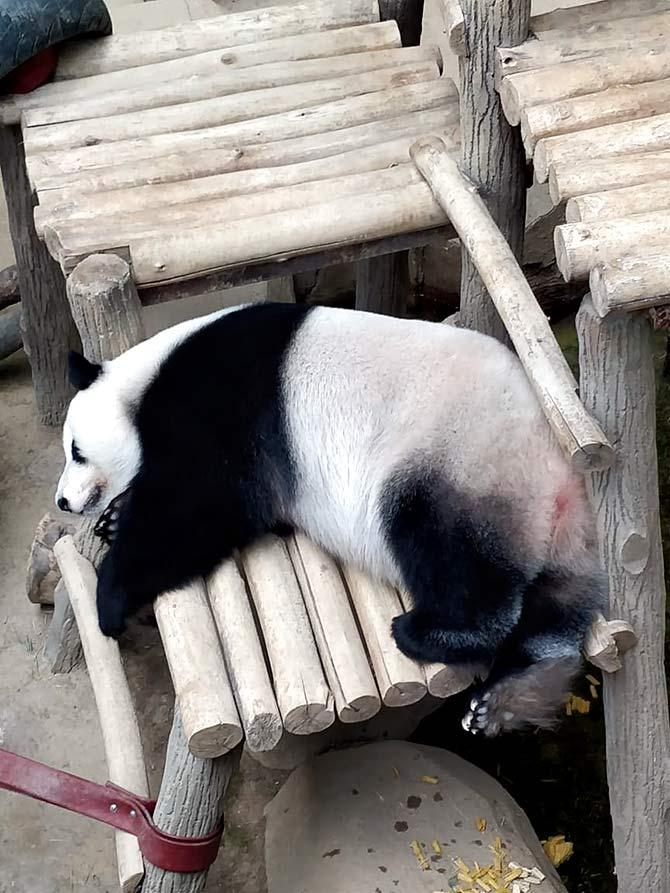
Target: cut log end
column 212, row 741
column 595, row 456
column 264, row 732
column 400, row 694
column 606, row 641
column 308, row 719
column 360, row 709
column 444, row 682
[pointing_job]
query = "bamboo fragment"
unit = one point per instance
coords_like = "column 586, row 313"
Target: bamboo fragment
column 185, row 166
column 580, row 247
column 121, row 51
column 317, row 119
column 640, row 63
column 600, row 174
column 342, row 653
column 624, row 202
column 624, row 138
column 206, row 113
column 625, row 103
column 305, row 701
column 202, row 689
column 580, row 437
column 244, row 659
column 214, row 83
column 281, row 51
column 401, row 681
column 116, row 712
column 630, row 283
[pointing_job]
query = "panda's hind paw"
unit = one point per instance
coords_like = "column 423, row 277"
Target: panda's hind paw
column 477, row 718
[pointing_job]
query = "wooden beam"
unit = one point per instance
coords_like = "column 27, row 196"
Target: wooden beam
column 624, row 202
column 631, row 283
column 491, row 151
column 590, row 176
column 617, row 384
column 580, row 437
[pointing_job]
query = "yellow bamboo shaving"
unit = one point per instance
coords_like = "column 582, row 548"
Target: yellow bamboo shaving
column 558, row 849
column 435, row 846
column 417, row 849
column 594, row 692
column 396, row 772
column 575, row 704
column 480, row 824
column 429, row 779
column 592, row 680
column 502, row 876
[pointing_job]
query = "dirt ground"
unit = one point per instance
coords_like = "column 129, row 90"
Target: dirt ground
column 53, row 718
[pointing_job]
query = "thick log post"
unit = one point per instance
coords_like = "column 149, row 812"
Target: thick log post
column 382, row 283
column 492, row 152
column 108, row 314
column 618, row 387
column 190, row 804
column 49, row 332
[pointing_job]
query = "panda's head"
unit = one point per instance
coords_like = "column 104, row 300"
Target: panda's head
column 102, row 448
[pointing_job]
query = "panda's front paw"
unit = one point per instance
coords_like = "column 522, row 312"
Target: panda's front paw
column 478, row 719
column 107, row 525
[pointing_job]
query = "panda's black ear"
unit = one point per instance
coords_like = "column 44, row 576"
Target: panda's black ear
column 82, row 373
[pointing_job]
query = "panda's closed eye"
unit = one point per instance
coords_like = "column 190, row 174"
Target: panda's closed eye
column 77, row 455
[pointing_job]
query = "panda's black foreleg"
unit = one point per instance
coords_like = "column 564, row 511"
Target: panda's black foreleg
column 533, row 671
column 465, row 586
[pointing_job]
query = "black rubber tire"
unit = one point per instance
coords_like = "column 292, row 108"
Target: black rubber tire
column 29, row 26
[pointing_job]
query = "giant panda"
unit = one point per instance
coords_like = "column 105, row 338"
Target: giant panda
column 414, row 450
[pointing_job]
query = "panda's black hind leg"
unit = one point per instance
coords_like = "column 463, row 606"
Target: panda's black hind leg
column 532, row 674
column 464, row 584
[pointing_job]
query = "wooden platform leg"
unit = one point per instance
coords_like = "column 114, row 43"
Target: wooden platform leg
column 48, row 330
column 492, row 153
column 382, row 284
column 190, row 804
column 108, row 314
column 618, row 387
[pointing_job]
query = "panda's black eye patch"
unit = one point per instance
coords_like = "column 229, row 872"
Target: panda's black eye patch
column 76, row 455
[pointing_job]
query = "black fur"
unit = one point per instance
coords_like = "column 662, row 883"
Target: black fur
column 216, row 465
column 81, row 372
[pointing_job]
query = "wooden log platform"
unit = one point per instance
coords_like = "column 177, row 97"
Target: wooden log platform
column 187, row 150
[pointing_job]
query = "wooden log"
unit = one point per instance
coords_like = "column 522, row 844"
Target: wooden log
column 43, row 571
column 622, row 202
column 121, row 51
column 219, row 111
column 188, row 166
column 645, row 134
column 305, row 701
column 382, row 284
column 202, row 688
column 198, row 87
column 601, row 174
column 244, row 659
column 10, row 331
column 580, row 437
column 190, row 804
column 409, row 16
column 236, row 186
column 340, row 647
column 344, row 113
column 104, row 302
column 625, row 103
column 350, row 219
column 630, row 283
column 491, row 151
column 636, row 65
column 49, row 333
column 606, row 641
column 573, row 43
column 116, row 711
column 400, row 680
column 454, row 25
column 582, row 246
column 278, row 52
column 9, row 287
column 579, row 18
column 617, row 385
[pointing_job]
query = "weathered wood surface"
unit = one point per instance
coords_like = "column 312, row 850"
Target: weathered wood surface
column 567, row 180
column 90, row 57
column 243, row 654
column 607, row 641
column 116, row 711
column 281, row 51
column 203, row 691
column 43, row 571
column 382, row 284
column 619, row 202
column 578, row 434
column 492, row 153
column 10, row 331
column 618, row 387
column 631, row 283
column 190, row 804
column 9, row 287
column 409, row 16
column 48, row 331
column 108, row 314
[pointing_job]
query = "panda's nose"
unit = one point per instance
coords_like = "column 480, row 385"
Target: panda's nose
column 63, row 504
